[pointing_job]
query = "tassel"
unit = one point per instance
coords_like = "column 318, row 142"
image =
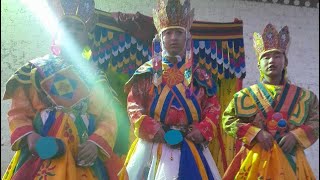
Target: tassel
column 189, row 52
column 156, row 61
column 189, row 64
column 55, row 49
column 156, row 46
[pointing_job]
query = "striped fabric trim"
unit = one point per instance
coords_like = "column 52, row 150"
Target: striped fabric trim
column 192, row 110
column 182, row 101
column 160, row 103
column 289, row 99
column 101, row 143
column 302, row 136
column 246, row 133
column 266, row 94
column 18, row 134
column 217, row 31
column 294, row 101
column 283, row 97
column 106, row 20
column 298, row 115
column 192, row 103
column 244, row 105
column 261, row 104
column 166, row 104
column 197, row 159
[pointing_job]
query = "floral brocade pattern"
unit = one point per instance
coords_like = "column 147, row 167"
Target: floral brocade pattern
column 46, row 169
column 172, row 77
column 68, row 133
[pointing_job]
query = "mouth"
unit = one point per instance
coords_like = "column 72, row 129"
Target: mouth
column 271, row 67
column 174, row 45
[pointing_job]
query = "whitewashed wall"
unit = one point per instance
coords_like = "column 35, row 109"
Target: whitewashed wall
column 24, row 37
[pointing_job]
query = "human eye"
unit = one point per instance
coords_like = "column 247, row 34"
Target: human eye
column 265, row 57
column 179, row 32
column 277, row 56
column 167, row 32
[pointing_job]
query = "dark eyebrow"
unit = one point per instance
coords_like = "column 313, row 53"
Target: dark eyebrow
column 266, row 55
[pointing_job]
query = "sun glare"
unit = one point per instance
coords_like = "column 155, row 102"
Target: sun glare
column 42, row 11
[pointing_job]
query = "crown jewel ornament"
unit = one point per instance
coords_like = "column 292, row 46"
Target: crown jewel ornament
column 271, row 40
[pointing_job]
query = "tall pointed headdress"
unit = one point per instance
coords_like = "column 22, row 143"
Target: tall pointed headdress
column 82, row 10
column 167, row 15
column 271, row 40
column 172, row 14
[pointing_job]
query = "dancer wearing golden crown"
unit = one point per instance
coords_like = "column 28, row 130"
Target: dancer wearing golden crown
column 274, row 119
column 171, row 105
column 61, row 121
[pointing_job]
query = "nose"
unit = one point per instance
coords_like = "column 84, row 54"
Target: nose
column 173, row 36
column 271, row 60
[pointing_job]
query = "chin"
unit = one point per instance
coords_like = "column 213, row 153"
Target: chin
column 273, row 75
column 173, row 53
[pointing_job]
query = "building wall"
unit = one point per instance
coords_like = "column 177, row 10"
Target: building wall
column 24, row 37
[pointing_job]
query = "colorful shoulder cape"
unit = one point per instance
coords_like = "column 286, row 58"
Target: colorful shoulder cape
column 144, row 70
column 27, row 75
column 200, row 75
column 56, row 79
column 294, row 101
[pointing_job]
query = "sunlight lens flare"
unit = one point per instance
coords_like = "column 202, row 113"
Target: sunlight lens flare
column 42, row 11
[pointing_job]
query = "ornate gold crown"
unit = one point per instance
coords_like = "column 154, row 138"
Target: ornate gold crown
column 82, row 10
column 271, row 40
column 172, row 14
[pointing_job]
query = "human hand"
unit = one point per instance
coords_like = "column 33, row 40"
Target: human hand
column 265, row 139
column 159, row 136
column 195, row 135
column 287, row 142
column 31, row 140
column 88, row 152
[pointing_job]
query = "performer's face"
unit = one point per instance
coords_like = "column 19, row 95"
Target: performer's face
column 174, row 41
column 72, row 32
column 272, row 64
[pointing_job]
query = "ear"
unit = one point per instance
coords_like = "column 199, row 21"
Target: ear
column 285, row 60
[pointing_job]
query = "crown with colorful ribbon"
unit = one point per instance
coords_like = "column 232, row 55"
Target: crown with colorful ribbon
column 172, row 14
column 82, row 10
column 271, row 40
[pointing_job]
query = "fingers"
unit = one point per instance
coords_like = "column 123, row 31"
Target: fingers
column 268, row 143
column 82, row 151
column 159, row 137
column 282, row 141
column 91, row 159
column 32, row 139
column 161, row 133
column 88, row 153
column 192, row 133
column 287, row 144
column 265, row 139
column 195, row 136
column 284, row 144
column 286, row 147
column 190, row 137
